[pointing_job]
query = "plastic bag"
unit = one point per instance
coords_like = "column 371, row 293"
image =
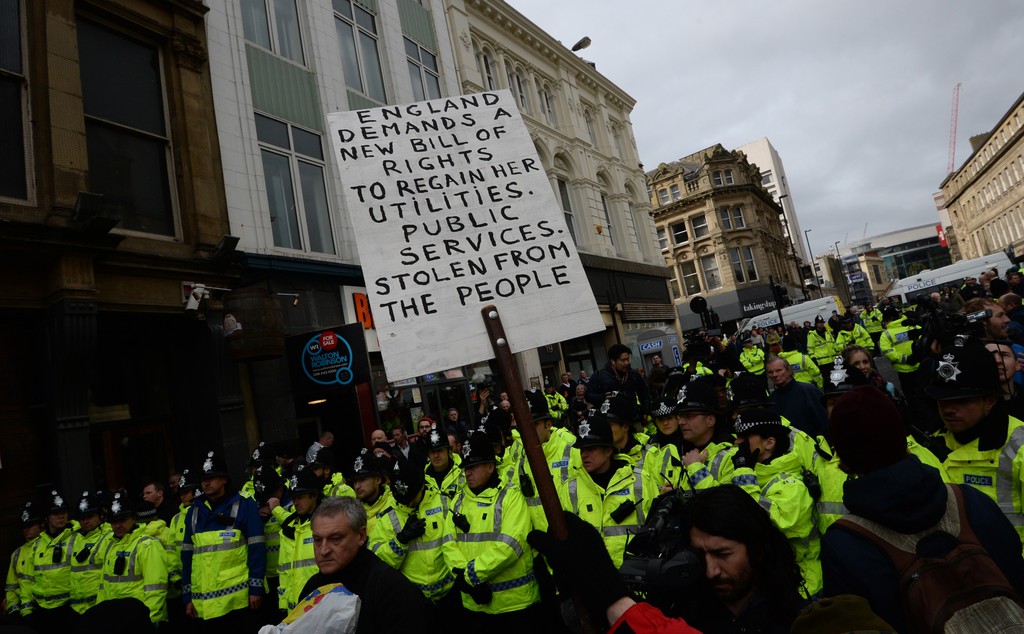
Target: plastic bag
column 330, row 609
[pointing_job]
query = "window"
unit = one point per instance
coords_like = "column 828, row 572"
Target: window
column 716, row 177
column 275, row 28
column 743, row 267
column 13, row 104
column 486, row 68
column 675, row 289
column 728, row 177
column 126, row 128
column 634, row 237
column 691, row 282
column 663, row 239
column 731, row 218
column 360, row 58
column 515, row 84
column 712, row 277
column 423, row 71
column 663, row 196
column 700, row 226
column 547, row 105
column 766, row 178
column 676, row 195
column 293, row 155
column 566, row 200
column 588, row 118
column 679, row 235
column 607, row 219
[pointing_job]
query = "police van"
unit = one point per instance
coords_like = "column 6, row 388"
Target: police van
column 909, row 289
column 799, row 313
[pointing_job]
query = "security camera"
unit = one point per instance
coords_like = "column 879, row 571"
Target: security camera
column 196, row 296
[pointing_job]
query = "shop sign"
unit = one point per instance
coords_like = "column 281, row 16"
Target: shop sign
column 648, row 346
column 335, row 357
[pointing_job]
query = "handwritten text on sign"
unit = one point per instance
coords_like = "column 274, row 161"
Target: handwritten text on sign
column 452, row 210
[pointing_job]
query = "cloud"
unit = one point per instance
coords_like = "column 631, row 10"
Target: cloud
column 855, row 96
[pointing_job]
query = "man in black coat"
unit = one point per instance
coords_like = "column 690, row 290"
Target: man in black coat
column 389, row 601
column 617, row 376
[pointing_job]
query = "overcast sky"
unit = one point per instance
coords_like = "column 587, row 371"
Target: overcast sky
column 855, row 96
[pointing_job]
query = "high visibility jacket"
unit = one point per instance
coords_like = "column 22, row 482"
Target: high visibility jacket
column 858, row 336
column 381, row 504
column 804, row 370
column 422, row 559
column 999, row 472
column 785, row 497
column 648, row 458
column 830, row 506
column 629, row 488
column 176, row 530
column 557, row 405
column 928, row 458
column 272, row 539
column 223, row 555
column 86, row 567
column 717, row 470
column 441, row 495
column 896, row 344
column 337, row 488
column 752, row 359
column 821, row 346
column 158, row 529
column 494, row 549
column 18, row 587
column 508, row 463
column 697, row 369
column 51, row 568
column 872, row 321
column 557, row 451
column 144, row 576
column 803, row 445
column 296, row 563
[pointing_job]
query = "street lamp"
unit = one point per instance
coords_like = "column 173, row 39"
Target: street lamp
column 814, row 271
column 792, row 246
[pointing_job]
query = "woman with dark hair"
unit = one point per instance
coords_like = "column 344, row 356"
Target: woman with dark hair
column 858, row 358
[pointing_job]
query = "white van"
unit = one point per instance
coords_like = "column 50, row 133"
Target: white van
column 910, row 288
column 800, row 313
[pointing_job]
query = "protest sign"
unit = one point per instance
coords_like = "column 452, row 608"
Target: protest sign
column 452, row 210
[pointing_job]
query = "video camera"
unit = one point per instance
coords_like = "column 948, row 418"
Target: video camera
column 658, row 563
column 943, row 327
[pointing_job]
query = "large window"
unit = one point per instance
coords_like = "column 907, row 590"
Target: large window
column 292, row 155
column 728, row 177
column 731, row 218
column 606, row 218
column 126, row 128
column 663, row 239
column 588, row 118
column 13, row 104
column 679, row 234
column 663, row 196
column 700, row 226
column 691, row 281
column 516, row 85
column 485, row 65
column 273, row 25
column 634, row 237
column 743, row 267
column 566, row 200
column 547, row 105
column 676, row 195
column 712, row 277
column 426, row 84
column 360, row 57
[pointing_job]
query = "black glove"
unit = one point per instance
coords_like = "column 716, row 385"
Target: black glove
column 744, row 457
column 582, row 566
column 481, row 594
column 414, row 527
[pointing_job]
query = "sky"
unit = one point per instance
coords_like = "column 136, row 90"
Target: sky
column 855, row 96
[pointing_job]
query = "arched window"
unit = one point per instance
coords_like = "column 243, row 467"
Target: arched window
column 606, row 211
column 485, row 65
column 547, row 104
column 631, row 225
column 518, row 88
column 588, row 118
column 564, row 194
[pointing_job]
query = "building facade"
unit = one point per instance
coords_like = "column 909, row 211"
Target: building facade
column 721, row 234
column 872, row 264
column 580, row 124
column 773, row 176
column 985, row 197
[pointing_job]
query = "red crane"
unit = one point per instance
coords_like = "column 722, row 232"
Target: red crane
column 952, row 130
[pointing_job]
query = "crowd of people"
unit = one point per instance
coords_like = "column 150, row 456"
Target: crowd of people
column 805, row 483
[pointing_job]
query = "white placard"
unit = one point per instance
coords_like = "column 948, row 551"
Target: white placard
column 452, row 211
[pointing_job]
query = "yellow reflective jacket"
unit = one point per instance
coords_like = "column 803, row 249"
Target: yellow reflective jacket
column 296, row 563
column 804, row 369
column 176, row 531
column 422, row 559
column 716, row 471
column 143, row 576
column 752, row 359
column 337, row 488
column 51, row 569
column 374, row 511
column 18, row 587
column 494, row 549
column 858, row 336
column 897, row 345
column 86, row 567
column 872, row 321
column 441, row 494
column 821, row 347
column 557, row 451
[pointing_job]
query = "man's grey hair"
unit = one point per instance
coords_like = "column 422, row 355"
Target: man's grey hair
column 774, row 359
column 351, row 508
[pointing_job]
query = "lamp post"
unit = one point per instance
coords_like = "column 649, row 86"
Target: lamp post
column 814, row 271
column 792, row 246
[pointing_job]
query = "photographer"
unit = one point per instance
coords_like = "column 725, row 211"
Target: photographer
column 749, row 583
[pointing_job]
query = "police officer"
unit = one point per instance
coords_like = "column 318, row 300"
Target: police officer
column 752, row 357
column 412, row 538
column 188, row 491
column 51, row 569
column 556, row 443
column 608, row 492
column 223, row 554
column 260, row 457
column 557, row 405
column 896, row 344
column 268, row 485
column 323, row 466
column 804, row 369
column 491, row 561
column 134, row 564
column 763, row 452
column 852, row 333
column 18, row 587
column 296, row 563
column 370, row 487
column 443, row 473
column 86, row 547
column 873, row 319
column 821, row 346
column 707, row 441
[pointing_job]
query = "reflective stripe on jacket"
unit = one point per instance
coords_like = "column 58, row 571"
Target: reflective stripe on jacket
column 86, row 567
column 144, row 572
column 422, row 559
column 52, row 579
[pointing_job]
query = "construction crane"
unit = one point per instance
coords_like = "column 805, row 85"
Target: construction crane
column 952, row 129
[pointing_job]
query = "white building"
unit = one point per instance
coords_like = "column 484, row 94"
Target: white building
column 773, row 177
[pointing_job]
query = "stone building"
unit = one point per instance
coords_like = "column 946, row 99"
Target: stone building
column 721, row 234
column 985, row 197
